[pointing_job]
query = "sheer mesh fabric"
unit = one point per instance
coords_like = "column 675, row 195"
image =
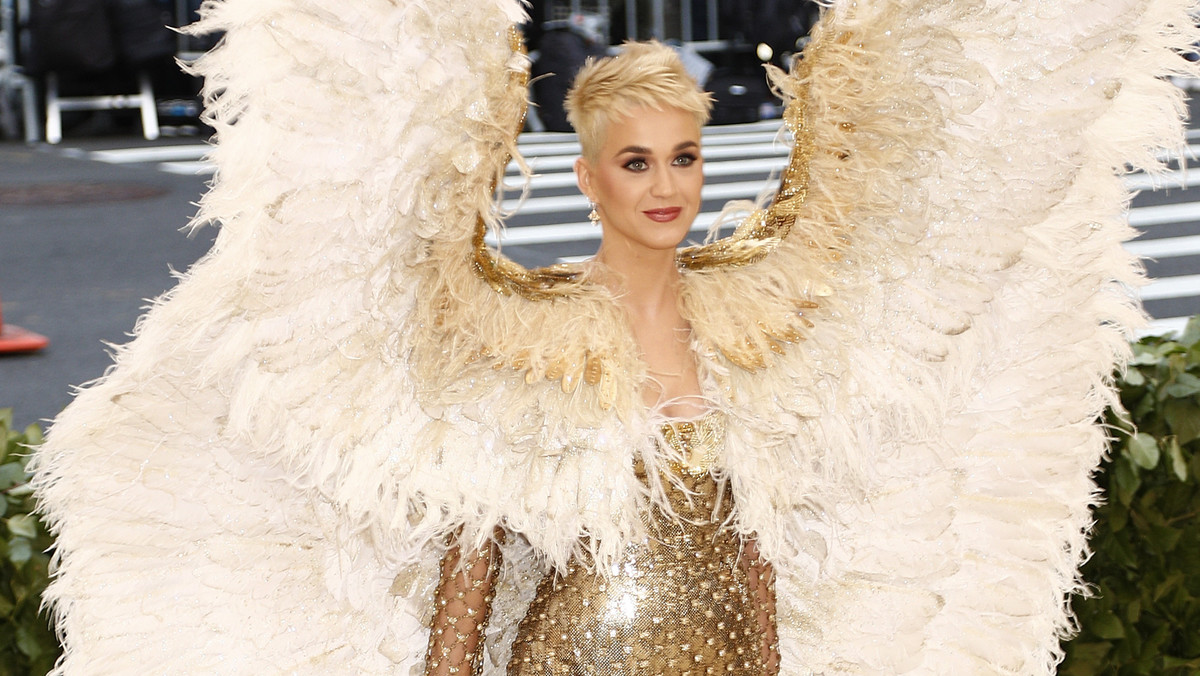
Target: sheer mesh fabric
column 463, row 601
column 761, row 578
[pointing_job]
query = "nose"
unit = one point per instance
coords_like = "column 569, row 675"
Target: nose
column 663, row 183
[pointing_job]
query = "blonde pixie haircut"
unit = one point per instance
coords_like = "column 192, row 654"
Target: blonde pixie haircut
column 645, row 74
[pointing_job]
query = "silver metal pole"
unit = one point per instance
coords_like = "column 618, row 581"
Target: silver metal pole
column 605, row 12
column 685, row 17
column 712, row 21
column 631, row 22
column 182, row 18
column 658, row 17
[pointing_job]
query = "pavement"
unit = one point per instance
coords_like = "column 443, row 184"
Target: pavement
column 83, row 246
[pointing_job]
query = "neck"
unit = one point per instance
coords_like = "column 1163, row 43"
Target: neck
column 646, row 282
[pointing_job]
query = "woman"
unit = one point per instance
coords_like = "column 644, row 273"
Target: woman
column 907, row 350
column 639, row 117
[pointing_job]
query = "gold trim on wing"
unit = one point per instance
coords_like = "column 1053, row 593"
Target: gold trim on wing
column 503, row 275
column 763, row 230
column 508, row 277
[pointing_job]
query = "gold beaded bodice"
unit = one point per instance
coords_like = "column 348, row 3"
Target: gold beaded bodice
column 677, row 603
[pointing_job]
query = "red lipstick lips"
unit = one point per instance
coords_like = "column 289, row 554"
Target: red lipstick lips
column 663, row 215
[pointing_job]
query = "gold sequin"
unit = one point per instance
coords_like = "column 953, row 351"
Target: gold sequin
column 680, row 603
column 697, row 442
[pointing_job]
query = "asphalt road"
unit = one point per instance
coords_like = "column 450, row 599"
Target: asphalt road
column 78, row 266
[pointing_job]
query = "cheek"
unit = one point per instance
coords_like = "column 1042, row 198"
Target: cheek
column 615, row 190
column 694, row 187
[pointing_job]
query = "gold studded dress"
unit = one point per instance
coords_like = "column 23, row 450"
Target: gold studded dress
column 683, row 601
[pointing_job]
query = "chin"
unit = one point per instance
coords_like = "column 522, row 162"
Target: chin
column 673, row 238
column 668, row 243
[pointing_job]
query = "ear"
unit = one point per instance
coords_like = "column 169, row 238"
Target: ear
column 583, row 178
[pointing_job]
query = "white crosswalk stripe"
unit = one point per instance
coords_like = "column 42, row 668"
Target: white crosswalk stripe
column 544, row 165
column 755, row 154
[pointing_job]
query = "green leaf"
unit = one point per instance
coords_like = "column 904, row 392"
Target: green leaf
column 1116, row 516
column 1173, row 581
column 23, row 525
column 20, row 490
column 1175, row 454
column 1183, row 417
column 33, row 435
column 1164, row 538
column 1180, row 662
column 19, row 551
column 1085, row 658
column 1134, row 378
column 1133, row 611
column 1144, row 356
column 1168, row 348
column 1107, row 626
column 1126, row 478
column 1185, row 385
column 27, row 643
column 1143, row 449
column 1191, row 332
column 1145, row 406
column 11, row 474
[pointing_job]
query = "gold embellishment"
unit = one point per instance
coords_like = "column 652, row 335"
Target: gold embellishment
column 698, row 442
column 507, row 277
column 680, row 601
column 763, row 230
column 503, row 275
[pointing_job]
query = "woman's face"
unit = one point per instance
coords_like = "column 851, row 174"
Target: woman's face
column 645, row 180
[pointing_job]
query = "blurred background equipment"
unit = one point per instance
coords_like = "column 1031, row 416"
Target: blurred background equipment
column 85, row 59
column 724, row 42
column 88, row 49
column 778, row 29
column 15, row 82
column 573, row 32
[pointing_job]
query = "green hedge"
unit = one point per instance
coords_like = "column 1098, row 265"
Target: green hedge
column 27, row 645
column 1144, row 618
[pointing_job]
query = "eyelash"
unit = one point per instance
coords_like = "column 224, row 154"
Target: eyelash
column 689, row 158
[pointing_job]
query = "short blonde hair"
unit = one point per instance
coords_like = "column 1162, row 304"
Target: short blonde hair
column 645, row 74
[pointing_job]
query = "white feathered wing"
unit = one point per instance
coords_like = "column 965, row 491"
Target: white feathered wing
column 208, row 515
column 970, row 152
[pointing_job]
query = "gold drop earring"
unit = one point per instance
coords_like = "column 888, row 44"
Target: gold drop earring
column 594, row 216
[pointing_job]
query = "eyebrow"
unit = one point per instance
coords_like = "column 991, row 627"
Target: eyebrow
column 643, row 150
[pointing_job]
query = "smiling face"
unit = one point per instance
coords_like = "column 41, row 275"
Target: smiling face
column 645, row 180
